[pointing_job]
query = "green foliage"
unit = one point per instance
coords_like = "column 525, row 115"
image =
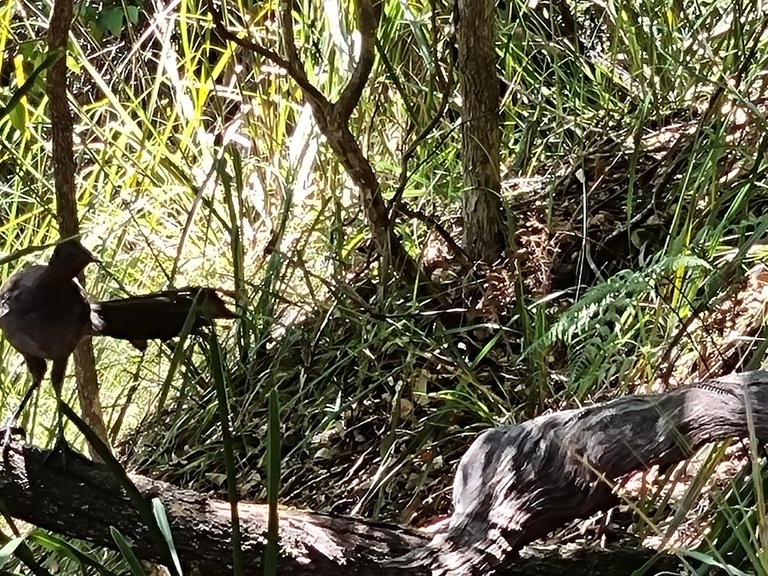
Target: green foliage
column 125, row 550
column 220, row 385
column 615, row 322
column 9, row 547
column 736, row 529
column 594, row 330
column 199, row 164
column 161, row 518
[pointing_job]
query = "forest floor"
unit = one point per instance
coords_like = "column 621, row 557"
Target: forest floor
column 378, row 410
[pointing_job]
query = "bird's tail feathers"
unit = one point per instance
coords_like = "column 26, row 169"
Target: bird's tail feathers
column 158, row 316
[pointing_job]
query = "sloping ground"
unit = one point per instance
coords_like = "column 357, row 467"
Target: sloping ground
column 364, row 428
column 377, row 411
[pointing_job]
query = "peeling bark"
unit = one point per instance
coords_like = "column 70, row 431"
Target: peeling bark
column 515, row 484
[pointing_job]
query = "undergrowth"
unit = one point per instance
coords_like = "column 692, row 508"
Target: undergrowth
column 633, row 160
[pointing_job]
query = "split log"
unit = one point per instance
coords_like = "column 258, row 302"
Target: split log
column 518, row 483
column 515, row 484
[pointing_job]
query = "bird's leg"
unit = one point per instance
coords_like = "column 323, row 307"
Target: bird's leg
column 58, row 369
column 36, row 367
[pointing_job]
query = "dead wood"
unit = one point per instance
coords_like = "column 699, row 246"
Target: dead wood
column 514, row 484
column 83, row 501
column 518, row 483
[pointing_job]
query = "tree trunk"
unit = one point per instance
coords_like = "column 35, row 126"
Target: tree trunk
column 484, row 237
column 66, row 200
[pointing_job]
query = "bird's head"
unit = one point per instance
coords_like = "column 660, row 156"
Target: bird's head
column 70, row 257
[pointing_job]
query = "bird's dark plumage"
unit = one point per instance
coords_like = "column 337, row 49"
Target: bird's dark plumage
column 44, row 314
column 157, row 316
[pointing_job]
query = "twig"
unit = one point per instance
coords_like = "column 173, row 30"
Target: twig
column 411, row 150
column 439, row 228
column 296, row 73
column 368, row 16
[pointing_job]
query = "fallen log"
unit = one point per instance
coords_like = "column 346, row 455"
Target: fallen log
column 83, row 501
column 518, row 483
column 514, row 485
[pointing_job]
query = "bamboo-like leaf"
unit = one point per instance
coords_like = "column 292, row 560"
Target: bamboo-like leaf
column 66, row 549
column 272, row 551
column 27, row 86
column 9, row 548
column 220, row 383
column 165, row 527
column 125, row 549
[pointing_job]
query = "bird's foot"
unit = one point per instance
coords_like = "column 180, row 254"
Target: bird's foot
column 10, row 430
column 62, row 449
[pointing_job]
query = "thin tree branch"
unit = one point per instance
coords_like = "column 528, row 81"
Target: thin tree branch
column 294, row 69
column 64, row 168
column 333, row 122
column 289, row 42
column 368, row 18
column 411, row 150
column 403, row 208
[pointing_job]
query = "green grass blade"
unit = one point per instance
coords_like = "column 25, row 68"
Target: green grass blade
column 137, row 499
column 125, row 549
column 25, row 88
column 220, row 383
column 165, row 528
column 9, row 548
column 271, row 554
column 63, row 548
column 23, row 553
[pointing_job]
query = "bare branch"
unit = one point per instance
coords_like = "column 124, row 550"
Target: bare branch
column 403, row 208
column 333, row 120
column 248, row 44
column 289, row 43
column 411, row 150
column 294, row 69
column 368, row 17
